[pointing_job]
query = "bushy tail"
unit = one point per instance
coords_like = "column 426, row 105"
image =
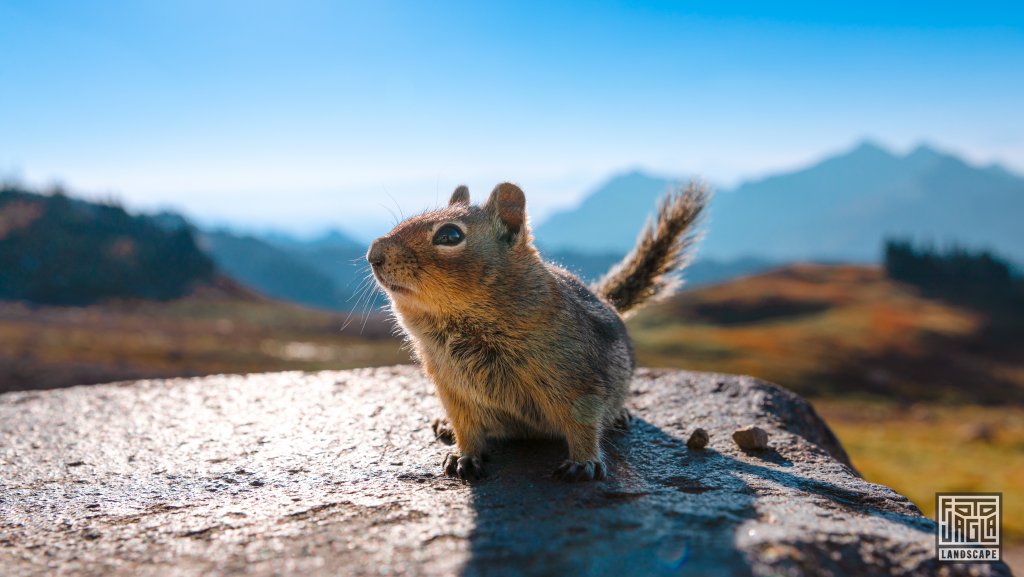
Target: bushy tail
column 664, row 246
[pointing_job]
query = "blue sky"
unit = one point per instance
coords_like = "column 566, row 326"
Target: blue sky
column 305, row 114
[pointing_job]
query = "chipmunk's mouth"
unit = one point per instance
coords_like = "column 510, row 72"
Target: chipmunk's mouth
column 397, row 288
column 392, row 287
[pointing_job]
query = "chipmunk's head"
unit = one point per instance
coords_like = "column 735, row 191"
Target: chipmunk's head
column 456, row 257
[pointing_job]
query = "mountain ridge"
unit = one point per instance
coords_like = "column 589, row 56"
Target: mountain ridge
column 840, row 208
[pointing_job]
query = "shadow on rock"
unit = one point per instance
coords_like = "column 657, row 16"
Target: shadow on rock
column 666, row 510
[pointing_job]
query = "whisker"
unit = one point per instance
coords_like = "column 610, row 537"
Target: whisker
column 393, row 215
column 369, row 304
column 358, row 295
column 353, row 313
column 398, row 206
column 358, row 292
column 366, row 277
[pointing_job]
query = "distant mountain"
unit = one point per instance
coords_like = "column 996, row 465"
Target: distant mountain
column 844, row 208
column 334, row 254
column 331, row 239
column 271, row 270
column 840, row 209
column 324, row 272
column 609, row 218
column 64, row 251
column 346, row 266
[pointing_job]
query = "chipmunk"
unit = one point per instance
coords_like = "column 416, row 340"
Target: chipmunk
column 515, row 346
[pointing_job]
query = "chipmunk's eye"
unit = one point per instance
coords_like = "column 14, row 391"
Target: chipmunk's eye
column 448, row 235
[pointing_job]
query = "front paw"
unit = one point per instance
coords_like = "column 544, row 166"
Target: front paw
column 465, row 467
column 622, row 421
column 576, row 471
column 443, row 431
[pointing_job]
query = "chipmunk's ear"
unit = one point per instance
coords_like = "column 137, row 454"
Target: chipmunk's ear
column 508, row 204
column 460, row 196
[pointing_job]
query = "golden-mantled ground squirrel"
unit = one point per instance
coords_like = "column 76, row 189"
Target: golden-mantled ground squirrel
column 518, row 347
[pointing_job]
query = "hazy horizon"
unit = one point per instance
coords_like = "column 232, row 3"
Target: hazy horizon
column 387, row 208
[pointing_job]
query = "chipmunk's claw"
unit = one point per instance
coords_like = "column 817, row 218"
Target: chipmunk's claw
column 443, row 430
column 465, row 467
column 576, row 471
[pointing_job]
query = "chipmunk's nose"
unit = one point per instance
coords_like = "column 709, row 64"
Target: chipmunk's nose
column 376, row 254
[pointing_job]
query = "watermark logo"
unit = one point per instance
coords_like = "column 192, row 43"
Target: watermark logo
column 968, row 526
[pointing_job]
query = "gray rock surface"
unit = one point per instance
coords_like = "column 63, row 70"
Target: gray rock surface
column 337, row 473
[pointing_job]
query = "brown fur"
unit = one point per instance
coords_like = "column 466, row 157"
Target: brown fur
column 516, row 347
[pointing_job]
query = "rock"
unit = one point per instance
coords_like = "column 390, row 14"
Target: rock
column 339, row 473
column 698, row 439
column 751, row 438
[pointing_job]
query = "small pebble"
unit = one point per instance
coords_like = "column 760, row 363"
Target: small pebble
column 698, row 440
column 751, row 438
